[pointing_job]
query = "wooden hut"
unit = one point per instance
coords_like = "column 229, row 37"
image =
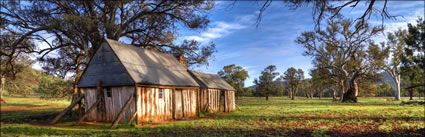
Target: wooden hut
column 137, row 82
column 215, row 93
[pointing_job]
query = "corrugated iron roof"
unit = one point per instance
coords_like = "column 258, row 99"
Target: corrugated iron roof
column 206, row 80
column 151, row 67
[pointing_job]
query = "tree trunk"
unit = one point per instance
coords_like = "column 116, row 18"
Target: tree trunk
column 411, row 94
column 320, row 96
column 341, row 92
column 397, row 86
column 351, row 94
column 333, row 94
column 293, row 94
column 2, row 82
column 290, row 93
column 267, row 97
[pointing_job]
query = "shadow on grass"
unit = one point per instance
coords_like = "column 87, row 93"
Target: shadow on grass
column 330, row 118
column 32, row 117
column 198, row 131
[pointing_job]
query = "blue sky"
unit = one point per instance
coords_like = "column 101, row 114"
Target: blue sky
column 238, row 41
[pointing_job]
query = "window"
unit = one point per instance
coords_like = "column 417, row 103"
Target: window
column 108, row 92
column 160, row 93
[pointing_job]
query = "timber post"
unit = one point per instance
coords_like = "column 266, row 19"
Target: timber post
column 101, row 113
column 182, row 99
column 137, row 103
column 198, row 103
column 79, row 103
column 174, row 103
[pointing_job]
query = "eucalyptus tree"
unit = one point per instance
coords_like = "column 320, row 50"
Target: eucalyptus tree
column 75, row 29
column 293, row 79
column 235, row 76
column 345, row 46
column 395, row 44
column 265, row 83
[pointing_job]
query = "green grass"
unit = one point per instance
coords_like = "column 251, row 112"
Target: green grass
column 277, row 117
column 33, row 101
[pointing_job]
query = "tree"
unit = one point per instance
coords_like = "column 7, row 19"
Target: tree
column 52, row 87
column 321, row 79
column 75, row 29
column 278, row 87
column 25, row 79
column 12, row 60
column 346, row 49
column 307, row 88
column 392, row 66
column 79, row 27
column 293, row 78
column 235, row 76
column 414, row 58
column 329, row 10
column 265, row 81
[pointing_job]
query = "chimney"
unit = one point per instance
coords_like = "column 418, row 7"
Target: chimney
column 182, row 60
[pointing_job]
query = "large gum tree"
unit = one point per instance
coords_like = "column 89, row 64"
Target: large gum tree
column 347, row 47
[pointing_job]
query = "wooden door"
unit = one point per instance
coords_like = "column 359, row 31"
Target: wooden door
column 222, row 101
column 178, row 106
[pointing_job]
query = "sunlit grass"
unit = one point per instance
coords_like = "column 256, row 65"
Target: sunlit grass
column 279, row 116
column 33, row 101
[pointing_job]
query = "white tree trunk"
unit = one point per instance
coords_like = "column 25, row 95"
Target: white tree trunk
column 397, row 87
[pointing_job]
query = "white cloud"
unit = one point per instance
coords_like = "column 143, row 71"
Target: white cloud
column 218, row 30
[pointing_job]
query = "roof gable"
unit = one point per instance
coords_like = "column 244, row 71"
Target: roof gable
column 105, row 66
column 206, row 80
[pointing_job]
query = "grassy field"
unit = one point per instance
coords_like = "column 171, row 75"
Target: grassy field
column 277, row 117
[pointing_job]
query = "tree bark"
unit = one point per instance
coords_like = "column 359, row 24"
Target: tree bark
column 290, row 93
column 351, row 94
column 341, row 92
column 293, row 94
column 2, row 82
column 333, row 94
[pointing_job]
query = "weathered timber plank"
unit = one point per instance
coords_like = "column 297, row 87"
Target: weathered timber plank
column 90, row 110
column 118, row 118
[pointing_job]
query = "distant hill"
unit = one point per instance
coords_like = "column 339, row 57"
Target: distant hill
column 255, row 86
column 386, row 78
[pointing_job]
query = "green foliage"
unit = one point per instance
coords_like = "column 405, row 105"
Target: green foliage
column 235, row 76
column 52, row 87
column 413, row 61
column 248, row 92
column 265, row 83
column 384, row 90
column 25, row 79
column 293, row 79
column 321, row 132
